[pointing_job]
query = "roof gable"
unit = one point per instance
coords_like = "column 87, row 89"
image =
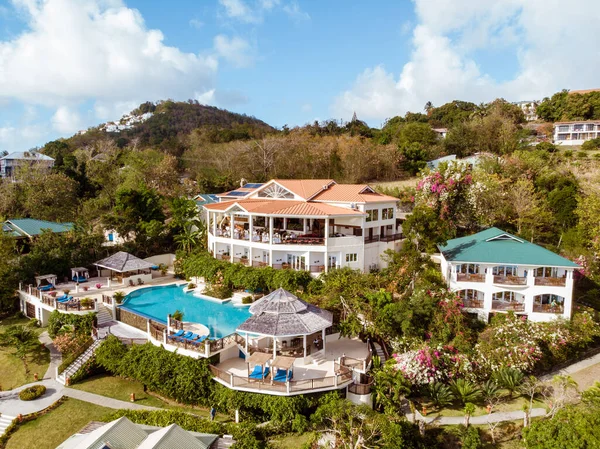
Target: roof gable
column 29, row 227
column 496, row 246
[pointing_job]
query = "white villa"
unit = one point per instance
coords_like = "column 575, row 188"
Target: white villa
column 576, row 133
column 304, row 224
column 496, row 272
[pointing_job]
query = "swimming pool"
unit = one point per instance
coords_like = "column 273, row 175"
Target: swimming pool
column 221, row 319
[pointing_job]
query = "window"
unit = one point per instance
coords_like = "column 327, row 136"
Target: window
column 589, row 127
column 578, row 127
column 546, row 272
column 505, row 271
column 351, row 257
column 563, row 128
column 387, row 214
column 504, row 296
column 372, row 215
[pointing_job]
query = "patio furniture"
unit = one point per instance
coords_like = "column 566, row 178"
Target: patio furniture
column 131, row 284
column 65, row 299
column 179, row 333
column 46, row 288
column 140, row 282
column 186, row 336
column 283, row 375
column 258, row 373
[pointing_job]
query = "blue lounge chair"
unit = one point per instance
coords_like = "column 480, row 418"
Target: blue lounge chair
column 60, row 298
column 283, row 376
column 192, row 337
column 179, row 333
column 79, row 279
column 67, row 299
column 46, row 288
column 186, row 336
column 201, row 339
column 258, row 373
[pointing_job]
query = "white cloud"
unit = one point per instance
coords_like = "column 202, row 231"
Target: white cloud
column 224, row 98
column 238, row 9
column 293, row 10
column 234, row 50
column 268, row 4
column 18, row 138
column 195, row 23
column 75, row 50
column 66, row 120
column 551, row 52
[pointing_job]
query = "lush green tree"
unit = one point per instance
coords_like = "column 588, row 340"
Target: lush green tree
column 22, row 340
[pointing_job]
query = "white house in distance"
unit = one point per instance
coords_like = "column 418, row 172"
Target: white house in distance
column 304, row 224
column 529, row 108
column 575, row 133
column 10, row 163
column 494, row 271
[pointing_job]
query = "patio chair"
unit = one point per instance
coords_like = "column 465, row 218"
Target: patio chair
column 283, row 375
column 179, row 333
column 131, row 284
column 65, row 300
column 79, row 279
column 140, row 282
column 46, row 288
column 184, row 337
column 258, row 373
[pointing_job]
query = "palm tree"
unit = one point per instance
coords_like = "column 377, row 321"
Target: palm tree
column 465, row 391
column 193, row 236
column 440, row 394
column 22, row 340
column 428, row 107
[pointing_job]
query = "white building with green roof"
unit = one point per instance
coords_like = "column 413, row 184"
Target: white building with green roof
column 496, row 272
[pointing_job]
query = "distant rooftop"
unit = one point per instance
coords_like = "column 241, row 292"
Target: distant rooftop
column 29, row 227
column 499, row 247
column 27, row 156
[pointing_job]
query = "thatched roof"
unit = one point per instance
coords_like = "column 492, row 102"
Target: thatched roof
column 259, row 358
column 282, row 314
column 283, row 362
column 123, row 262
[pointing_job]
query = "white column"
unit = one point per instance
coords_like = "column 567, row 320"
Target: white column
column 270, row 230
column 274, row 347
column 250, row 226
column 304, row 227
column 528, row 303
column 326, row 230
column 304, row 338
column 323, row 338
column 326, row 260
column 308, row 261
column 530, row 277
column 246, row 343
column 232, row 230
column 568, row 295
column 284, row 223
column 214, row 223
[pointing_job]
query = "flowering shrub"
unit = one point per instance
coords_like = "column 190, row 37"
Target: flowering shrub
column 443, row 189
column 427, row 364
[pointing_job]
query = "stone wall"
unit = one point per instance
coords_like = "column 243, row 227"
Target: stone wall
column 132, row 319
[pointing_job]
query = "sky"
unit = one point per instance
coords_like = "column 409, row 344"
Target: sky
column 66, row 65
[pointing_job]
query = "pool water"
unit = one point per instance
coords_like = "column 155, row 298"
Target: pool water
column 157, row 302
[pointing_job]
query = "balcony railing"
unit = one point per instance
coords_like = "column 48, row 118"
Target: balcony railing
column 505, row 306
column 548, row 308
column 373, row 239
column 467, row 277
column 361, row 389
column 392, row 237
column 510, row 280
column 341, row 378
column 551, row 281
column 474, row 303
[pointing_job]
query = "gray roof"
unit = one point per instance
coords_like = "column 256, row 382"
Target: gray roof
column 282, row 314
column 122, row 262
column 27, row 156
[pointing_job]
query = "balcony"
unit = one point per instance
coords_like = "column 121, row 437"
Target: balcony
column 551, row 281
column 510, row 280
column 508, row 306
column 373, row 239
column 474, row 303
column 392, row 237
column 465, row 277
column 549, row 308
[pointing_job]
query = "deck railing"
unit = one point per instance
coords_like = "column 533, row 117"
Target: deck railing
column 503, row 305
column 373, row 239
column 341, row 378
column 68, row 306
column 468, row 277
column 392, row 237
column 474, row 303
column 551, row 281
column 225, row 342
column 361, row 389
column 510, row 280
column 107, row 299
column 548, row 308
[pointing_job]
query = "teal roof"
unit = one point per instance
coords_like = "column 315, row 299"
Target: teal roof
column 499, row 247
column 29, row 227
column 205, row 198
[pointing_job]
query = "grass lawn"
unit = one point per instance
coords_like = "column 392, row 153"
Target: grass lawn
column 119, row 388
column 12, row 371
column 50, row 430
column 290, row 441
column 458, row 410
column 410, row 182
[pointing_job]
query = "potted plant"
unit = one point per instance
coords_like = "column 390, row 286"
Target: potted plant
column 85, row 288
column 66, row 291
column 191, row 286
column 163, row 269
column 86, row 302
column 177, row 315
column 98, row 286
column 118, row 297
column 52, row 294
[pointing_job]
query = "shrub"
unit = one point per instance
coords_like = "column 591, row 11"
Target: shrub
column 81, row 324
column 191, row 286
column 509, row 378
column 177, row 315
column 86, row 302
column 471, row 439
column 163, row 269
column 546, row 146
column 465, row 391
column 568, row 154
column 31, row 393
column 591, row 145
column 247, row 300
column 440, row 394
column 118, row 297
column 582, row 155
column 218, row 291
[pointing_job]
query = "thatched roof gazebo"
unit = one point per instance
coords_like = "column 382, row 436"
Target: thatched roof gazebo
column 286, row 318
column 123, row 262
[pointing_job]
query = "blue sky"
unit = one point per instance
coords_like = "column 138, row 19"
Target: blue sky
column 69, row 64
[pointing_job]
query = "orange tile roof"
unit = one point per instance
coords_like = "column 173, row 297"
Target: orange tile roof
column 352, row 193
column 284, row 207
column 304, row 188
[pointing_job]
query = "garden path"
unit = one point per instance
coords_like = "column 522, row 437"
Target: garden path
column 575, row 367
column 55, row 355
column 481, row 419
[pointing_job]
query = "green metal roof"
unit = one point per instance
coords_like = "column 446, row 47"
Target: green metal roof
column 29, row 227
column 497, row 246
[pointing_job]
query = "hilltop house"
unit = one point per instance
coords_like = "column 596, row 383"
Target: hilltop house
column 495, row 272
column 10, row 163
column 576, row 132
column 304, row 224
column 529, row 108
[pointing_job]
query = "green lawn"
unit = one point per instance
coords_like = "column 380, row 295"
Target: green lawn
column 12, row 370
column 290, row 441
column 50, row 430
column 119, row 388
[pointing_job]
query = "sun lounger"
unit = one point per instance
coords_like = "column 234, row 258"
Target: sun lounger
column 46, row 288
column 258, row 373
column 184, row 337
column 177, row 334
column 60, row 298
column 65, row 299
column 283, row 375
column 79, row 279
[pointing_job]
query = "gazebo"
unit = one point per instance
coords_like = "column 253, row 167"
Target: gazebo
column 50, row 282
column 80, row 274
column 293, row 325
column 125, row 265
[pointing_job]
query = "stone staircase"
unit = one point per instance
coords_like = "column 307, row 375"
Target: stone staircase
column 104, row 315
column 78, row 363
column 318, row 358
column 5, row 421
column 379, row 352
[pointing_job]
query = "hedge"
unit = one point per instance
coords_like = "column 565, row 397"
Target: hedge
column 238, row 276
column 81, row 323
column 31, row 393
